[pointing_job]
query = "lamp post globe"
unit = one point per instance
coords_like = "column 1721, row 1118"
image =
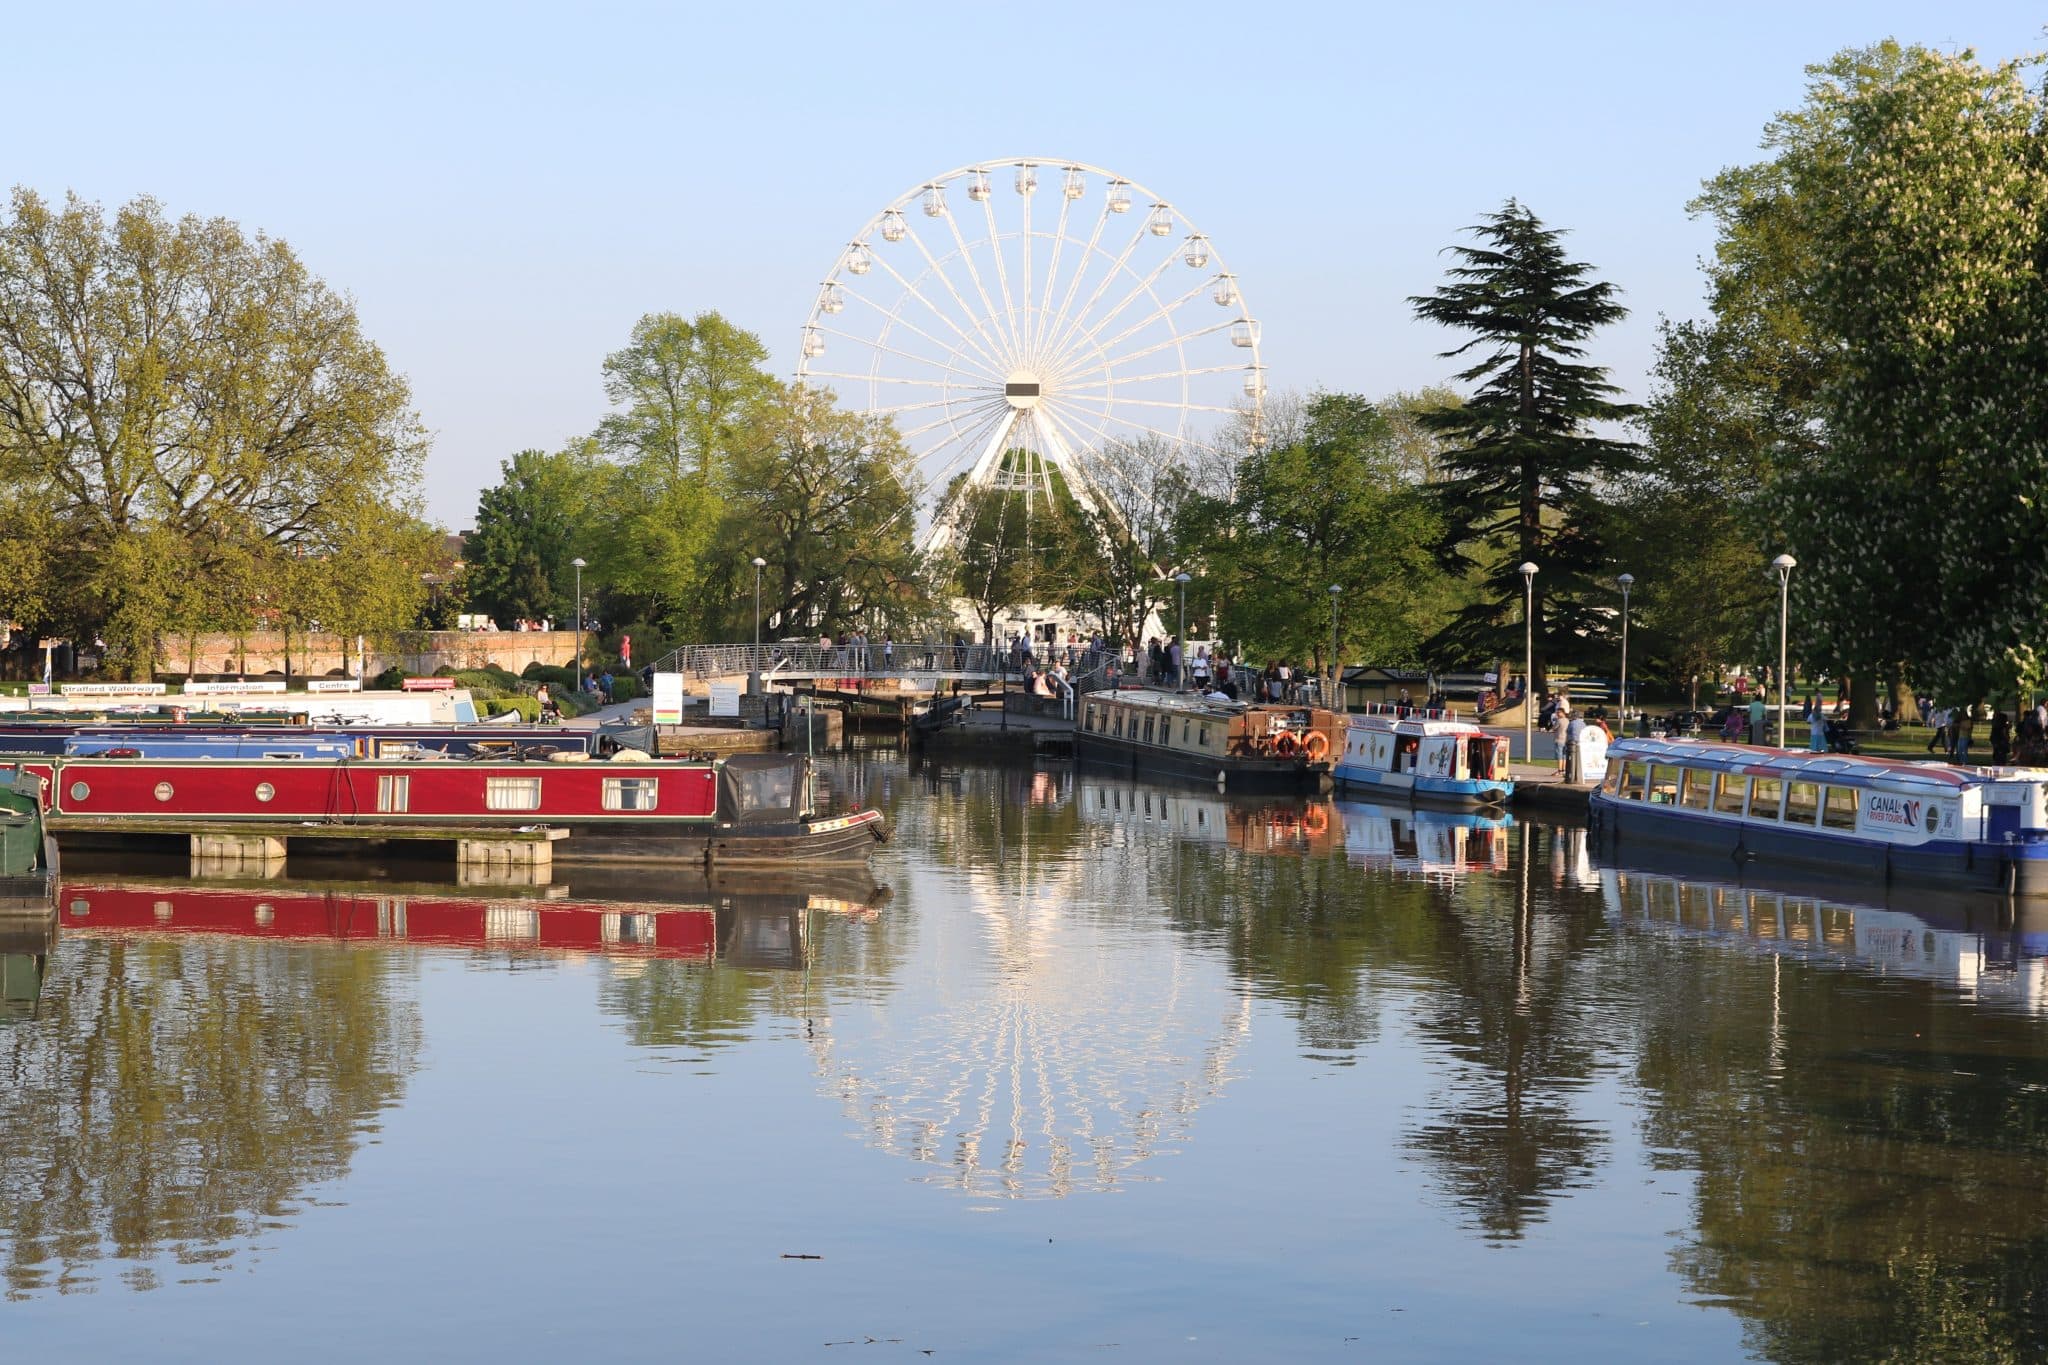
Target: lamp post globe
column 580, row 566
column 1784, row 564
column 1627, row 581
column 1528, row 572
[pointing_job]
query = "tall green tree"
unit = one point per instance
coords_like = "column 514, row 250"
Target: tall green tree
column 177, row 399
column 529, row 527
column 828, row 502
column 1522, row 465
column 1128, row 538
column 1739, row 409
column 686, row 391
column 1933, row 229
column 1325, row 502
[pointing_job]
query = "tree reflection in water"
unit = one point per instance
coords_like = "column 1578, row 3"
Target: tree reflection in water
column 176, row 1099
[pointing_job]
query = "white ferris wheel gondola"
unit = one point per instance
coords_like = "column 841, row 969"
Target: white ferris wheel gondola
column 1061, row 326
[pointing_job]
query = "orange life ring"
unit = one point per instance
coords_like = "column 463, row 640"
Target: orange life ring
column 1316, row 745
column 1317, row 820
column 1283, row 744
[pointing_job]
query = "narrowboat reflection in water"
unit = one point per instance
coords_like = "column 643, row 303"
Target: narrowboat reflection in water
column 1991, row 952
column 1248, row 824
column 748, row 919
column 1417, row 841
column 28, row 931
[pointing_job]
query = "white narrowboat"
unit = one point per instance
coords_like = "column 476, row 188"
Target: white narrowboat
column 1443, row 760
column 1982, row 828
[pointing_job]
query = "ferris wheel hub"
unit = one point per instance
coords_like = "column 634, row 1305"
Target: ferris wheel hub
column 1022, row 390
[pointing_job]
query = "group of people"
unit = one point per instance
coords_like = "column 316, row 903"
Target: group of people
column 1955, row 729
column 1566, row 726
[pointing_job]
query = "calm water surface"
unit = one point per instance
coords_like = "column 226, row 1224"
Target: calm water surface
column 1090, row 1071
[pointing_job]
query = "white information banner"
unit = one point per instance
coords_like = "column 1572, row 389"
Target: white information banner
column 232, row 689
column 668, row 699
column 725, row 699
column 115, row 689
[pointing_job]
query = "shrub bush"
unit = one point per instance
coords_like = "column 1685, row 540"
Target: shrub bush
column 389, row 680
column 552, row 674
column 527, row 708
column 626, row 687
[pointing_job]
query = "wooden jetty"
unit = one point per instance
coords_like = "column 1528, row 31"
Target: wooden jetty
column 244, row 847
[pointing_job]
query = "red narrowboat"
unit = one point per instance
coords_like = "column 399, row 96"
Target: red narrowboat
column 747, row 808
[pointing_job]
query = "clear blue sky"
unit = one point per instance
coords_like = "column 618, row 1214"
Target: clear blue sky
column 504, row 189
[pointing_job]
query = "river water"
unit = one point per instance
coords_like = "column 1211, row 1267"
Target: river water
column 1090, row 1070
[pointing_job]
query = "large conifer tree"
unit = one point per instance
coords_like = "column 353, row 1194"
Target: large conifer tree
column 1520, row 466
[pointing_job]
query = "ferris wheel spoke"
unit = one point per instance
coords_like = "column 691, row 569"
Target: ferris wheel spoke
column 1078, row 334
column 1088, row 340
column 1157, row 374
column 973, row 337
column 969, row 412
column 1116, row 266
column 1119, row 401
column 891, row 319
column 1024, row 319
column 913, row 357
column 871, row 378
column 1052, row 271
column 1177, row 339
column 1164, row 435
column 1088, row 254
column 995, row 250
column 951, row 402
column 981, row 290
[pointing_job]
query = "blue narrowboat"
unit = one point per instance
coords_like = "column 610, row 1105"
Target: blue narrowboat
column 1428, row 758
column 1982, row 828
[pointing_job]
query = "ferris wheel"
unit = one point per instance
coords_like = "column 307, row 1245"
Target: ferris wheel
column 1019, row 320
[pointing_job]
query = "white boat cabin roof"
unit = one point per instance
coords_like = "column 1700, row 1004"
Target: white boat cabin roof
column 1410, row 725
column 1841, row 769
column 1187, row 702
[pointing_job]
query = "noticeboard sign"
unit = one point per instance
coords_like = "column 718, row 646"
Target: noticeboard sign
column 725, row 700
column 668, row 699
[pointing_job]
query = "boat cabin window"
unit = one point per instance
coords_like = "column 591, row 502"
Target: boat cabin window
column 1613, row 783
column 1765, row 797
column 1802, row 802
column 512, row 793
column 1840, row 810
column 1729, row 793
column 1696, row 792
column 1202, row 735
column 1663, row 784
column 1632, row 781
column 1119, row 725
column 394, row 792
column 1185, row 727
column 630, row 793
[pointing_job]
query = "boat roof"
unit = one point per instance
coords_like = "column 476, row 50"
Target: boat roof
column 1194, row 703
column 1762, row 761
column 1414, row 725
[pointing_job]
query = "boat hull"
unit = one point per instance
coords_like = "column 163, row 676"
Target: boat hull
column 1459, row 792
column 2016, row 869
column 1232, row 773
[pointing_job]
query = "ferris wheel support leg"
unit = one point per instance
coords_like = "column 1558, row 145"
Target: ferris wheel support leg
column 979, row 475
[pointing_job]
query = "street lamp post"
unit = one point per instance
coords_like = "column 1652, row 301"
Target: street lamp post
column 1784, row 564
column 1336, row 660
column 1181, row 629
column 579, row 622
column 1627, row 581
column 754, row 673
column 1528, row 662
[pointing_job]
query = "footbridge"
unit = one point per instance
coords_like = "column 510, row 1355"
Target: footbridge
column 916, row 665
